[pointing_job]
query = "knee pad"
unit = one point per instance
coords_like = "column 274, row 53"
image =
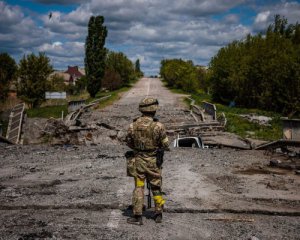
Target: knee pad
column 139, row 182
column 159, row 200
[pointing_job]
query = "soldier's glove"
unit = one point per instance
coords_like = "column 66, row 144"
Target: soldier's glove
column 129, row 154
column 160, row 157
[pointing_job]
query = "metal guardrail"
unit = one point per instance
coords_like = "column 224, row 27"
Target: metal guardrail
column 100, row 99
column 15, row 123
column 75, row 114
column 75, row 105
column 210, row 109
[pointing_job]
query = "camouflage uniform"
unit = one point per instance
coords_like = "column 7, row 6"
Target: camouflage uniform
column 144, row 136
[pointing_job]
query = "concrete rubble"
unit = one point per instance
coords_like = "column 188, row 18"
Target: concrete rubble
column 261, row 120
column 76, row 187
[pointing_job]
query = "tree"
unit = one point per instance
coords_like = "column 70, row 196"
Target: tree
column 95, row 54
column 111, row 80
column 119, row 63
column 81, row 84
column 137, row 68
column 260, row 71
column 180, row 74
column 34, row 72
column 8, row 69
column 56, row 83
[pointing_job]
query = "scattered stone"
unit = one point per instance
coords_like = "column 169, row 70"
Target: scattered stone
column 33, row 169
column 41, row 153
column 30, row 236
column 89, row 136
column 102, row 155
column 113, row 134
column 253, row 238
column 89, row 166
column 261, row 120
column 51, row 183
column 205, row 165
column 274, row 162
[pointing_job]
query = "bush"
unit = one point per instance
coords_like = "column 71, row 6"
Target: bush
column 111, row 80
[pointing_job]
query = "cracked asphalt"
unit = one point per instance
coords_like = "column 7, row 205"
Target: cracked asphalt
column 82, row 192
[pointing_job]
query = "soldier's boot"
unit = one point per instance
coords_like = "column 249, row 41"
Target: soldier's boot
column 159, row 205
column 130, row 207
column 158, row 217
column 135, row 220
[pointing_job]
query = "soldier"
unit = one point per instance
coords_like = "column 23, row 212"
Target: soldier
column 146, row 136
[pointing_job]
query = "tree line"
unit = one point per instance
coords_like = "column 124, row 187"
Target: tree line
column 260, row 71
column 180, row 74
column 104, row 69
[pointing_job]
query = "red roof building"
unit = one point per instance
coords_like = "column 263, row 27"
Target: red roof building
column 74, row 73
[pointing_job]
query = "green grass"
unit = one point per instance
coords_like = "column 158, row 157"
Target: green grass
column 47, row 112
column 237, row 124
column 55, row 111
column 244, row 128
column 115, row 95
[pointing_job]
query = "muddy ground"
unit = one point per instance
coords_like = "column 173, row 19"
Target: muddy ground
column 82, row 192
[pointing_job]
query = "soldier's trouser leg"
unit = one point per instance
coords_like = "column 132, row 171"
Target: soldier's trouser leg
column 138, row 196
column 158, row 199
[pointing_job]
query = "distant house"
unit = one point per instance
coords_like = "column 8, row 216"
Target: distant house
column 71, row 75
column 205, row 68
column 75, row 73
column 12, row 92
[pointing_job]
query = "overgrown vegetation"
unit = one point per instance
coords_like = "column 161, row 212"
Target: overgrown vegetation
column 179, row 74
column 33, row 73
column 115, row 95
column 261, row 71
column 47, row 112
column 238, row 125
column 119, row 71
column 137, row 69
column 8, row 69
column 257, row 75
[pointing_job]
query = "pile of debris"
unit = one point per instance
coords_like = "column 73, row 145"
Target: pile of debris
column 261, row 120
column 57, row 132
column 76, row 129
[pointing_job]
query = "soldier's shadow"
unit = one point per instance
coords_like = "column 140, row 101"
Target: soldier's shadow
column 147, row 213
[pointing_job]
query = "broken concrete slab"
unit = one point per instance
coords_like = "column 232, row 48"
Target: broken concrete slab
column 261, row 120
column 225, row 139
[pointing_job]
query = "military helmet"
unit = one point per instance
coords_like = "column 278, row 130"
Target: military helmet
column 148, row 105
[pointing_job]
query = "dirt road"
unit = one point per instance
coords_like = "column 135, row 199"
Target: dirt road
column 81, row 192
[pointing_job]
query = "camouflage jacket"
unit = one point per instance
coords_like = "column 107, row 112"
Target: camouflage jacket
column 146, row 135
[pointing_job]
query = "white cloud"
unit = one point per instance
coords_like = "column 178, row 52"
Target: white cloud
column 262, row 17
column 148, row 30
column 59, row 49
column 62, row 2
column 290, row 10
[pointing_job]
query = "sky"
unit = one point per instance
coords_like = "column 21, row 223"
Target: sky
column 148, row 30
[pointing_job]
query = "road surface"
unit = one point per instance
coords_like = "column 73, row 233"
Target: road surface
column 82, row 192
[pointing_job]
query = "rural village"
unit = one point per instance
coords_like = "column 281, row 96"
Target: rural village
column 232, row 166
